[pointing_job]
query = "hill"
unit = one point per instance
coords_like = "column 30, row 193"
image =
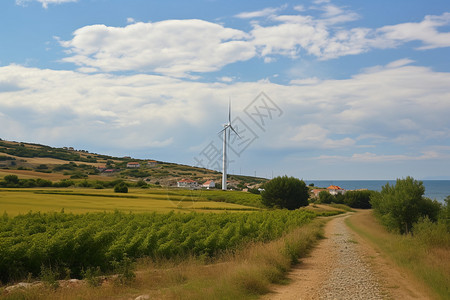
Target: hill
column 28, row 160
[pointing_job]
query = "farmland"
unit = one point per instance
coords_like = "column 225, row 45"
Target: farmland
column 79, row 200
column 62, row 218
column 76, row 242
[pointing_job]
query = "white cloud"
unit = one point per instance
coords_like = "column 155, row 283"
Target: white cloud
column 226, row 79
column 386, row 108
column 326, row 38
column 306, row 81
column 44, row 3
column 369, row 157
column 316, row 137
column 425, row 32
column 185, row 48
column 172, row 47
column 259, row 13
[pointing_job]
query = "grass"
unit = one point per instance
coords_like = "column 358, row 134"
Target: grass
column 78, row 200
column 243, row 274
column 429, row 264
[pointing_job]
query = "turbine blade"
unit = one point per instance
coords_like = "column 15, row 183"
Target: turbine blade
column 229, row 110
column 235, row 131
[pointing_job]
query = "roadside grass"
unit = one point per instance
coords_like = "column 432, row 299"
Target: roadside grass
column 245, row 273
column 342, row 206
column 82, row 200
column 428, row 263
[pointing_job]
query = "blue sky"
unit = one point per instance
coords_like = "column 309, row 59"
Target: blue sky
column 320, row 89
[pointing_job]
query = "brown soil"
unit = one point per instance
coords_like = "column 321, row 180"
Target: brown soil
column 315, row 277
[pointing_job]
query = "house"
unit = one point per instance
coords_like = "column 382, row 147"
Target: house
column 189, row 183
column 209, row 184
column 152, row 163
column 334, row 190
column 317, row 191
column 133, row 165
column 110, row 171
column 101, row 168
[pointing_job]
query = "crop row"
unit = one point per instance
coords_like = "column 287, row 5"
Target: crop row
column 73, row 243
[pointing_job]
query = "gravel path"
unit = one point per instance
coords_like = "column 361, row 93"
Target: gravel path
column 350, row 277
column 335, row 270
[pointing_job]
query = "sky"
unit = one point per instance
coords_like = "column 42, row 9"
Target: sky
column 319, row 89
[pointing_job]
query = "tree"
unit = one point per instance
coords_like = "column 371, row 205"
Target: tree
column 325, row 197
column 12, row 179
column 358, row 199
column 121, row 188
column 402, row 205
column 285, row 192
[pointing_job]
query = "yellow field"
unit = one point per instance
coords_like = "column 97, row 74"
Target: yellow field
column 77, row 200
column 28, row 174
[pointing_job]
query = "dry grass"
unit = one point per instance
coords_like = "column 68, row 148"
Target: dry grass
column 243, row 274
column 429, row 264
column 27, row 174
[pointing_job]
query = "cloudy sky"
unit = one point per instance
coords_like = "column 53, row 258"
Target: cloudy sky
column 320, row 89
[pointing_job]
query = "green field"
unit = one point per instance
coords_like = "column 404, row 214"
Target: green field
column 78, row 200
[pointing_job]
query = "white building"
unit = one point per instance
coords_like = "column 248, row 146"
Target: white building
column 189, row 183
column 334, row 190
column 209, row 184
column 133, row 165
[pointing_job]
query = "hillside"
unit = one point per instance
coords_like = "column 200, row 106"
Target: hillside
column 28, row 160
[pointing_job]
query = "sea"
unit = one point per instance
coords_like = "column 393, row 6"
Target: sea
column 434, row 189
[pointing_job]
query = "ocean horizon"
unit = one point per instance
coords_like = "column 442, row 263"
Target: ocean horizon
column 434, row 189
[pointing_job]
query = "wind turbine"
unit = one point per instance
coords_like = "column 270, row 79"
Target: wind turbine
column 226, row 127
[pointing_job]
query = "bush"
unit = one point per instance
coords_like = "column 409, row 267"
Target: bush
column 358, row 199
column 121, row 188
column 432, row 233
column 325, row 197
column 92, row 276
column 12, row 179
column 402, row 205
column 285, row 192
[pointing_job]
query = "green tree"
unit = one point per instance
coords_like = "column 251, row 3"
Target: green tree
column 402, row 205
column 325, row 197
column 358, row 199
column 285, row 192
column 12, row 179
column 121, row 188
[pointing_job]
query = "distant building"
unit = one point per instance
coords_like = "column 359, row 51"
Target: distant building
column 152, row 163
column 189, row 183
column 133, row 165
column 334, row 190
column 209, row 184
column 110, row 171
column 101, row 168
column 317, row 191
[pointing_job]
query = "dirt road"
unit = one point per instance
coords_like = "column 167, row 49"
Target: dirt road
column 344, row 266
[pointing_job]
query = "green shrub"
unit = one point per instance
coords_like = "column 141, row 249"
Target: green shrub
column 121, row 188
column 49, row 276
column 125, row 270
column 402, row 205
column 285, row 192
column 432, row 233
column 92, row 276
column 325, row 197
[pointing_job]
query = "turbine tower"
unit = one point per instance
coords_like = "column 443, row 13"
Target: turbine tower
column 226, row 127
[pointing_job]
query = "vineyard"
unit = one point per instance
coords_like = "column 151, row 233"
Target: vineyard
column 71, row 243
